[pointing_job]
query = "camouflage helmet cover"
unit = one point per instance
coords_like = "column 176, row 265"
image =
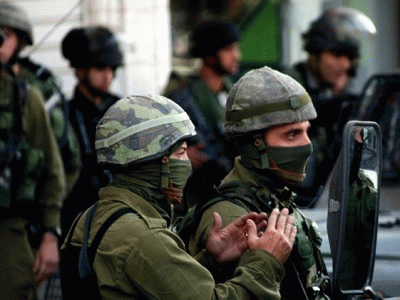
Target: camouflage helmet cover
column 140, row 128
column 263, row 98
column 16, row 18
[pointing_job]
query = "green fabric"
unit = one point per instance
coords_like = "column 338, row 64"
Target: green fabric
column 66, row 138
column 140, row 258
column 209, row 104
column 144, row 190
column 359, row 230
column 292, row 161
column 180, row 170
column 16, row 257
column 36, row 131
column 16, row 261
column 305, row 254
column 281, row 104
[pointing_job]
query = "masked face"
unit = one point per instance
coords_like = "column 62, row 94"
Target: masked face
column 289, row 163
column 175, row 172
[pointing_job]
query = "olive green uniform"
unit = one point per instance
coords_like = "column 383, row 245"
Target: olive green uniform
column 140, row 258
column 305, row 255
column 16, row 256
column 67, row 139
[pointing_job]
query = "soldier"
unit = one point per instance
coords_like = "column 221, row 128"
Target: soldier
column 203, row 97
column 333, row 44
column 16, row 21
column 32, row 176
column 141, row 140
column 94, row 54
column 267, row 116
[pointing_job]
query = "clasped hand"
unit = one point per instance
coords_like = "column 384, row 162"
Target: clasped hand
column 252, row 231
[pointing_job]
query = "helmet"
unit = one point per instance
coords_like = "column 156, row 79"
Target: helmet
column 338, row 30
column 17, row 19
column 140, row 128
column 212, row 35
column 263, row 98
column 91, row 46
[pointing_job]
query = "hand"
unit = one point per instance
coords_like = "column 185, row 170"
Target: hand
column 278, row 238
column 197, row 156
column 229, row 243
column 47, row 257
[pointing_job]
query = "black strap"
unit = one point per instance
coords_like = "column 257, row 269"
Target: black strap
column 85, row 268
column 99, row 235
column 88, row 150
column 14, row 141
column 87, row 254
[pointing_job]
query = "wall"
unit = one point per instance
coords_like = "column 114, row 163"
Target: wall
column 142, row 26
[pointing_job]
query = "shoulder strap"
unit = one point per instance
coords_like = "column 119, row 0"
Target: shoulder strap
column 86, row 254
column 99, row 235
column 239, row 193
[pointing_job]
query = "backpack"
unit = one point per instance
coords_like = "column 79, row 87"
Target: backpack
column 239, row 193
column 78, row 279
column 380, row 102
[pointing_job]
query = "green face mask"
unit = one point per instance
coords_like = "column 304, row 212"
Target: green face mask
column 174, row 175
column 180, row 171
column 289, row 162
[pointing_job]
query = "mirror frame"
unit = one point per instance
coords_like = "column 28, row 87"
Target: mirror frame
column 337, row 208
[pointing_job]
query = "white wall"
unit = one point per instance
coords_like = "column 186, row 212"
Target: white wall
column 296, row 17
column 143, row 27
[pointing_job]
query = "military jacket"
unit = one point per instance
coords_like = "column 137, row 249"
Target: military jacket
column 140, row 258
column 40, row 173
column 57, row 108
column 305, row 256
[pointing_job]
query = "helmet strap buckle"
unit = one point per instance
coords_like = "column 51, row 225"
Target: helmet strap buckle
column 262, row 151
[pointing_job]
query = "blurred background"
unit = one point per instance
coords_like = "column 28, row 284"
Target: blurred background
column 155, row 33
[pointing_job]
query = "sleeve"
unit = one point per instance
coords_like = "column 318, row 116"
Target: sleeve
column 228, row 212
column 52, row 181
column 161, row 269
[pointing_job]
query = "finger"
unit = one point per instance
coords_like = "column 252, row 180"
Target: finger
column 260, row 218
column 251, row 229
column 289, row 225
column 241, row 221
column 281, row 223
column 261, row 226
column 292, row 235
column 272, row 219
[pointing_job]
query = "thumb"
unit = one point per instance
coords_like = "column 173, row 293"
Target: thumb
column 217, row 222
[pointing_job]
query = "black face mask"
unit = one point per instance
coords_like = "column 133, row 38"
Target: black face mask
column 289, row 163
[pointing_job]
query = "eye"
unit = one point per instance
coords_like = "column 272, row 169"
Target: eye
column 291, row 135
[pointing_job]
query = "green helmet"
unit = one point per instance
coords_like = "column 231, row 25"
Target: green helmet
column 140, row 128
column 263, row 98
column 17, row 19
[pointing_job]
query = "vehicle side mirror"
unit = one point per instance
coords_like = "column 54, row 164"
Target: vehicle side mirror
column 353, row 209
